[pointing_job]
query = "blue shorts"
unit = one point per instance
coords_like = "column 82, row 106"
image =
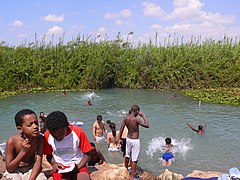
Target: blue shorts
column 167, row 155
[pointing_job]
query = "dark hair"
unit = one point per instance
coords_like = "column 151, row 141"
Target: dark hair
column 99, row 117
column 20, row 114
column 108, row 121
column 56, row 120
column 113, row 127
column 92, row 144
column 168, row 140
column 200, row 127
column 135, row 108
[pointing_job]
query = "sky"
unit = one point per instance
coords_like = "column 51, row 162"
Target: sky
column 132, row 20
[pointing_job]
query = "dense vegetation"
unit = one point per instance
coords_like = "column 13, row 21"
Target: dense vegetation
column 84, row 63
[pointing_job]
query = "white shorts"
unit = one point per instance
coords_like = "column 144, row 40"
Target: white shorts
column 132, row 148
column 112, row 149
column 100, row 138
column 23, row 173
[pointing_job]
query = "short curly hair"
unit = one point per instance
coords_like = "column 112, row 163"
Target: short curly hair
column 20, row 114
column 56, row 120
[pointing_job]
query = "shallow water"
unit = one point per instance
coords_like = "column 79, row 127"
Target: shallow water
column 217, row 150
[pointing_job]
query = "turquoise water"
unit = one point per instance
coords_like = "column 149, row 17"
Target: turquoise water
column 217, row 150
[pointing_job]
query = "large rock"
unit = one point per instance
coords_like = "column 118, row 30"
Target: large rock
column 109, row 172
column 202, row 174
column 146, row 176
column 168, row 175
column 2, row 167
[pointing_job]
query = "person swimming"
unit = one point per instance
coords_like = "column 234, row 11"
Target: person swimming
column 199, row 130
column 168, row 157
column 90, row 98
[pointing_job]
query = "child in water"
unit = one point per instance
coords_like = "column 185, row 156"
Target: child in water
column 167, row 157
column 200, row 129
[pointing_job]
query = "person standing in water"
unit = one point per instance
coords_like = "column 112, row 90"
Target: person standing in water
column 98, row 128
column 113, row 138
column 132, row 122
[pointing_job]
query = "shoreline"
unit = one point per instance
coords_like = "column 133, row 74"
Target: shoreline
column 100, row 172
column 227, row 96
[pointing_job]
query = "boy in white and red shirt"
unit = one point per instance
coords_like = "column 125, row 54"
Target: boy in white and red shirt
column 67, row 148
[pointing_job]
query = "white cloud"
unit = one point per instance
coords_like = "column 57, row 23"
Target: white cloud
column 101, row 31
column 17, row 23
column 53, row 18
column 55, row 30
column 156, row 27
column 218, row 18
column 124, row 13
column 191, row 11
column 75, row 29
column 119, row 22
column 21, row 35
column 186, row 9
column 188, row 18
column 101, row 34
column 110, row 16
column 186, row 30
column 151, row 9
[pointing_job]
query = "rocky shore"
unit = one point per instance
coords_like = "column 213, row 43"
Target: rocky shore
column 113, row 171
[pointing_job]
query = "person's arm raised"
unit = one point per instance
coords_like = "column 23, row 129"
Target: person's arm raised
column 196, row 130
column 143, row 123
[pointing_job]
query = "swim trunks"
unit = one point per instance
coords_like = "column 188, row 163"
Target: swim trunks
column 132, row 148
column 167, row 155
column 100, row 138
column 112, row 149
column 69, row 175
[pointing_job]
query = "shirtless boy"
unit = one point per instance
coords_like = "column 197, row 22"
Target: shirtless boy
column 24, row 151
column 199, row 130
column 132, row 122
column 168, row 157
column 113, row 138
column 96, row 156
column 98, row 128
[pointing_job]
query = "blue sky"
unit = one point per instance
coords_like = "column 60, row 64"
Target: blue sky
column 20, row 20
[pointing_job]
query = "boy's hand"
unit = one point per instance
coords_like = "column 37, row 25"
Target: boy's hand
column 120, row 142
column 141, row 114
column 26, row 145
column 57, row 166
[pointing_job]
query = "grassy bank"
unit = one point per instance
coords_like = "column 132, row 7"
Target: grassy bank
column 85, row 63
column 217, row 96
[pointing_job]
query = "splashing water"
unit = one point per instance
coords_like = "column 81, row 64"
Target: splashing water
column 90, row 96
column 181, row 147
column 2, row 148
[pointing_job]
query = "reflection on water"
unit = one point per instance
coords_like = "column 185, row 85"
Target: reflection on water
column 167, row 112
